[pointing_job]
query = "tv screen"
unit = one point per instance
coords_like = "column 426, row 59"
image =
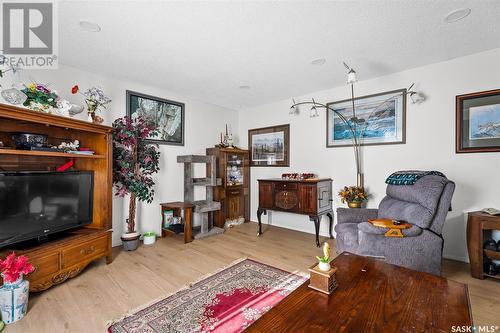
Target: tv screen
column 37, row 204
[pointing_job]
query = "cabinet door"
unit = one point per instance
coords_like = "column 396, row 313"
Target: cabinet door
column 265, row 195
column 307, row 199
column 235, row 206
column 324, row 196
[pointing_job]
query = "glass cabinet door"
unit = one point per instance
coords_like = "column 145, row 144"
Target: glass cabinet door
column 234, row 170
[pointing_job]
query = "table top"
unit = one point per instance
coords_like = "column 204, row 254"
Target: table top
column 177, row 204
column 372, row 296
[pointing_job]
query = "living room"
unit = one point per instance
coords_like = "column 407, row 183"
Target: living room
column 198, row 166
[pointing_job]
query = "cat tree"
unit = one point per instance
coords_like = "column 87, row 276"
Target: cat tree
column 202, row 207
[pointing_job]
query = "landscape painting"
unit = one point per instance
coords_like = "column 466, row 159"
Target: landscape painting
column 378, row 119
column 269, row 146
column 168, row 116
column 484, row 122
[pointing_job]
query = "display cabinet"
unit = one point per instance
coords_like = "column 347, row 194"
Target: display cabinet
column 233, row 169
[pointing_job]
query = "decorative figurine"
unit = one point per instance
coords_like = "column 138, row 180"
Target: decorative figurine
column 324, row 262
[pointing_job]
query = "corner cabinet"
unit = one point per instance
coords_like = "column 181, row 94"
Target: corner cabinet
column 312, row 197
column 233, row 169
column 64, row 255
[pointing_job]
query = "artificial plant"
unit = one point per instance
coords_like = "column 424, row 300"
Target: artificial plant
column 134, row 162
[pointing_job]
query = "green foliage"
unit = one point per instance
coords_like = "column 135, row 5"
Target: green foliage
column 38, row 93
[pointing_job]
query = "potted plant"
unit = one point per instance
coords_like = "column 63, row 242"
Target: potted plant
column 324, row 261
column 353, row 195
column 149, row 238
column 95, row 100
column 14, row 291
column 134, row 162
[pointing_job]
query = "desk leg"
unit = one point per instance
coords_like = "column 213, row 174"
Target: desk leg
column 316, row 220
column 259, row 218
column 188, row 225
column 330, row 217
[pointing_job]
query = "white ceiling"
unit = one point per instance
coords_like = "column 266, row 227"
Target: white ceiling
column 207, row 49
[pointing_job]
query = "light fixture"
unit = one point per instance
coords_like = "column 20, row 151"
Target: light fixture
column 415, row 96
column 294, row 109
column 318, row 62
column 244, row 87
column 457, row 15
column 313, row 113
column 89, row 26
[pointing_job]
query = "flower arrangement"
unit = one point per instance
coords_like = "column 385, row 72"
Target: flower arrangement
column 134, row 162
column 353, row 194
column 94, row 98
column 13, row 268
column 40, row 98
column 326, row 254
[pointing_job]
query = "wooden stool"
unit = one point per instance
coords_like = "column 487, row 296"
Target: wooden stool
column 177, row 207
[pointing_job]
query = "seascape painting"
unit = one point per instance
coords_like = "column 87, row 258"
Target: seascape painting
column 269, row 146
column 484, row 122
column 378, row 119
column 167, row 115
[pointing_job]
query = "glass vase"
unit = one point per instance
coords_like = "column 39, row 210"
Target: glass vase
column 14, row 300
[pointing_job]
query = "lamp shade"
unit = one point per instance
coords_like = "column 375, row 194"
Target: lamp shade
column 352, row 76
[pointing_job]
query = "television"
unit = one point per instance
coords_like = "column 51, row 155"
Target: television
column 34, row 205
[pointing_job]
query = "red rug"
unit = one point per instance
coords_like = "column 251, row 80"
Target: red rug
column 227, row 301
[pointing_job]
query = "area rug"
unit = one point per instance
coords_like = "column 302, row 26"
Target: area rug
column 226, row 301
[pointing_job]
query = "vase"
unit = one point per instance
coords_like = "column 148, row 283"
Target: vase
column 354, row 204
column 14, row 300
column 324, row 266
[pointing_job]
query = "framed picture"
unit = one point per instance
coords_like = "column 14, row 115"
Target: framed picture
column 167, row 115
column 168, row 217
column 478, row 122
column 270, row 146
column 381, row 118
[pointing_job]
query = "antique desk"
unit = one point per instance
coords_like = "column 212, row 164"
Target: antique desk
column 312, row 197
column 372, row 296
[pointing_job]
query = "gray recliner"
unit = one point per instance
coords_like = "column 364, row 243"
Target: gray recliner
column 424, row 205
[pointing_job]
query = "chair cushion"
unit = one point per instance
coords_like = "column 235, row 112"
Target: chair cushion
column 426, row 191
column 412, row 213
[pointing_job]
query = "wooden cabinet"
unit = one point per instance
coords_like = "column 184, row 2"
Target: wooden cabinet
column 62, row 256
column 306, row 197
column 477, row 224
column 234, row 192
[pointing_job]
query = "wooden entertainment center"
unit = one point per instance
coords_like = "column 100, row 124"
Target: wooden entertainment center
column 57, row 260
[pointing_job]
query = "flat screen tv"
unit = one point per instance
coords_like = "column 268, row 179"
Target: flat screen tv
column 34, row 205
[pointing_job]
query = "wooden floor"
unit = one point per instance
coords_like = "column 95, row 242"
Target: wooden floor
column 105, row 292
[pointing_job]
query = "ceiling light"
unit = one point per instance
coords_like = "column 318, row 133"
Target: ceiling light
column 90, row 26
column 457, row 15
column 318, row 62
column 244, row 87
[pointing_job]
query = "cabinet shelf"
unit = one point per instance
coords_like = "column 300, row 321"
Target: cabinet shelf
column 495, row 255
column 46, row 153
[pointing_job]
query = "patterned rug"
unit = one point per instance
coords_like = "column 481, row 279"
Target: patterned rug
column 226, row 301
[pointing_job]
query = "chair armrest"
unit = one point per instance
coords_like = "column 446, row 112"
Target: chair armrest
column 355, row 215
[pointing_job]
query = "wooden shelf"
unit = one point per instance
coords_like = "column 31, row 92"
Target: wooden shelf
column 46, row 153
column 495, row 255
column 492, row 276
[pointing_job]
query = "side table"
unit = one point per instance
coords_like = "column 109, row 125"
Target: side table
column 477, row 222
column 178, row 207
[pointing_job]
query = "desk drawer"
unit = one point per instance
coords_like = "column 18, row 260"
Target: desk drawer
column 285, row 186
column 234, row 192
column 44, row 266
column 84, row 251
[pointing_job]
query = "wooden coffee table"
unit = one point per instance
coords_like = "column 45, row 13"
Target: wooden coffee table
column 372, row 296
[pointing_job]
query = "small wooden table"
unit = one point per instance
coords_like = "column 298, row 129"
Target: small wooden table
column 372, row 296
column 477, row 222
column 177, row 207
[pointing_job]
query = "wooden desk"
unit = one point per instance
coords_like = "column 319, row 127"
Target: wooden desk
column 306, row 197
column 372, row 296
column 477, row 222
column 177, row 207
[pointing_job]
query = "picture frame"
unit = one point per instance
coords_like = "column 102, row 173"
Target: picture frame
column 168, row 217
column 169, row 116
column 269, row 146
column 477, row 122
column 384, row 115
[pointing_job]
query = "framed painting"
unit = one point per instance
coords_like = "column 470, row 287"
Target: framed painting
column 167, row 115
column 380, row 119
column 270, row 146
column 478, row 122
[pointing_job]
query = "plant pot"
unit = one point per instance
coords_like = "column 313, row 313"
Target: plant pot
column 14, row 300
column 354, row 204
column 324, row 266
column 149, row 238
column 131, row 241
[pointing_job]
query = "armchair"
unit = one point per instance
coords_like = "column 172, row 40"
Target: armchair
column 424, row 205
